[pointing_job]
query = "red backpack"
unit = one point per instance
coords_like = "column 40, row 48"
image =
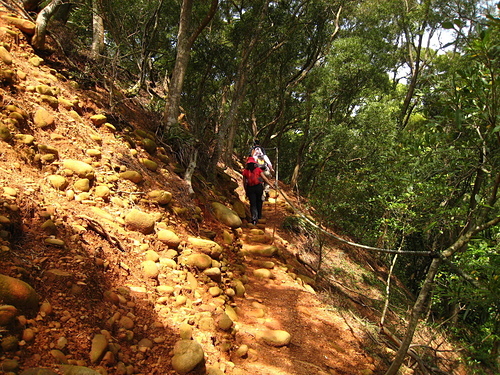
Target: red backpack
column 253, row 177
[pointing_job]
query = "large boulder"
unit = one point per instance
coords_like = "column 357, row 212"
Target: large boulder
column 5, row 134
column 149, row 145
column 7, row 314
column 39, row 371
column 161, row 197
column 169, row 238
column 140, row 221
column 132, row 176
column 149, row 164
column 276, row 337
column 150, row 269
column 58, row 182
column 80, row 168
column 5, row 56
column 200, row 261
column 240, row 209
column 226, row 215
column 259, row 250
column 204, row 246
column 17, row 293
column 98, row 119
column 24, row 25
column 188, row 355
column 98, row 348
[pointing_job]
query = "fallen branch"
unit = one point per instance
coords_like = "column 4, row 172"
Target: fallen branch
column 305, row 263
column 99, row 229
column 353, row 299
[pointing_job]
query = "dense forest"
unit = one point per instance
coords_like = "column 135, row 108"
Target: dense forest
column 384, row 114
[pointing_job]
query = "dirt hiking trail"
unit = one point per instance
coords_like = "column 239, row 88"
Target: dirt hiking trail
column 322, row 342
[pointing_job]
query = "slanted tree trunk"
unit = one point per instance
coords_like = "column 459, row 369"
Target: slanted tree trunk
column 388, row 289
column 97, row 48
column 428, row 287
column 185, row 41
column 298, row 159
column 303, row 145
column 42, row 21
column 416, row 312
column 228, row 128
column 416, row 65
column 181, row 63
column 188, row 176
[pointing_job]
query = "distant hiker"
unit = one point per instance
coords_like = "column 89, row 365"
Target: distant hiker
column 263, row 162
column 253, row 177
column 259, row 154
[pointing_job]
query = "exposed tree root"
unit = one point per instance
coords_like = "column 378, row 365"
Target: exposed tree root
column 99, row 229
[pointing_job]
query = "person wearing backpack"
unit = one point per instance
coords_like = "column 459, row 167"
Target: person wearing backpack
column 253, row 178
column 264, row 163
column 259, row 154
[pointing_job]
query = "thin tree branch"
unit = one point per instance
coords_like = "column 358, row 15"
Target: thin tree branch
column 314, row 58
column 204, row 23
column 457, row 270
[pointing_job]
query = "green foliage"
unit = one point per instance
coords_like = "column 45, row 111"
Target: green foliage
column 420, row 185
column 476, row 322
column 361, row 152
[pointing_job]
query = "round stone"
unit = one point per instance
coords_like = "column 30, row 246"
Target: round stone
column 188, row 355
column 276, row 337
column 200, row 261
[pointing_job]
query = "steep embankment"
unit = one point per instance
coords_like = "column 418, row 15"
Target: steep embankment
column 126, row 264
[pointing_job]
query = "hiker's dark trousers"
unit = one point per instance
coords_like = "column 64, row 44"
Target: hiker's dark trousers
column 254, row 194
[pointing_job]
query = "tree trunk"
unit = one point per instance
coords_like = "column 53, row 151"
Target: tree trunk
column 321, row 243
column 428, row 287
column 97, row 49
column 228, row 129
column 144, row 62
column 455, row 310
column 181, row 63
column 416, row 312
column 188, row 176
column 304, row 144
column 388, row 290
column 416, row 68
column 184, row 44
column 42, row 20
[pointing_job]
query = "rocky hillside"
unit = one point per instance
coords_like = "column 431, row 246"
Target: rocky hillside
column 110, row 266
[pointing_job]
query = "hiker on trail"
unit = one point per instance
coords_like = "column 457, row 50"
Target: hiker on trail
column 263, row 162
column 259, row 154
column 253, row 177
